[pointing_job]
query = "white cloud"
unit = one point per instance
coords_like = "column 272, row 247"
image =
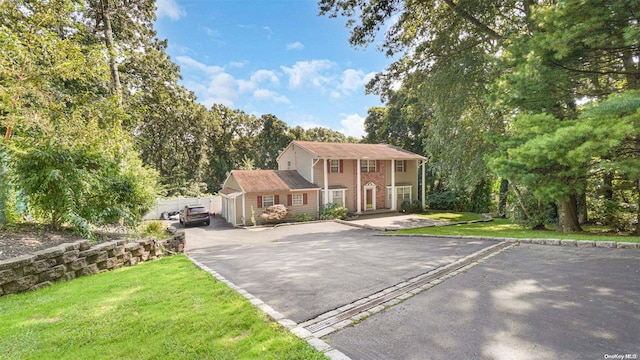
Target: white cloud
column 265, row 75
column 353, row 125
column 169, row 9
column 237, row 64
column 257, row 78
column 352, row 80
column 216, row 86
column 295, row 46
column 213, row 84
column 268, row 95
column 191, row 63
column 312, row 73
column 245, row 86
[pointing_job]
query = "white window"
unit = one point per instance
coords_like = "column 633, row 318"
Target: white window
column 288, row 165
column 337, row 197
column 296, row 199
column 335, row 166
column 368, row 166
column 402, row 193
column 399, row 165
column 267, row 200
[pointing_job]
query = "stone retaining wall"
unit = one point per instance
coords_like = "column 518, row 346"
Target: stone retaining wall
column 68, row 261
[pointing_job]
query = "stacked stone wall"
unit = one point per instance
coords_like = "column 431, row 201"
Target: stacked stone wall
column 69, row 261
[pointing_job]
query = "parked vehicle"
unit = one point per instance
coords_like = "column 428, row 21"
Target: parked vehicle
column 193, row 214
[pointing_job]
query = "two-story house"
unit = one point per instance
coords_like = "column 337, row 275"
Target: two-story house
column 360, row 177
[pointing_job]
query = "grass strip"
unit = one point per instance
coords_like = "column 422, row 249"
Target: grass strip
column 163, row 309
column 451, row 216
column 501, row 228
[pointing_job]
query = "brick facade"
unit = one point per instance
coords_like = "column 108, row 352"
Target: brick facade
column 377, row 178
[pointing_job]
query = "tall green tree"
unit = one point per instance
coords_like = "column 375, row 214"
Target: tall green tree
column 477, row 65
column 235, row 140
column 68, row 151
column 554, row 157
column 574, row 49
column 449, row 57
column 273, row 138
column 322, row 134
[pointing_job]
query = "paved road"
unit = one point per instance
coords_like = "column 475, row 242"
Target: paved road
column 528, row 302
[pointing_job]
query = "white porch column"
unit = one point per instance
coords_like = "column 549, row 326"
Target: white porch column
column 326, row 183
column 359, row 189
column 244, row 210
column 394, row 197
column 424, row 185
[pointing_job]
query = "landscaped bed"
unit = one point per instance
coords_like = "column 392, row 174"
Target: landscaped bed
column 27, row 238
column 165, row 308
column 501, row 228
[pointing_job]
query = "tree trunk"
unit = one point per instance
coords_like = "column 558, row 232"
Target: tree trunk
column 502, row 202
column 568, row 215
column 116, row 87
column 4, row 188
column 583, row 217
column 607, row 185
column 638, row 215
column 525, row 211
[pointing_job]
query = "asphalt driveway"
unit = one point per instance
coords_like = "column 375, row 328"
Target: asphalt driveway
column 303, row 271
column 527, row 302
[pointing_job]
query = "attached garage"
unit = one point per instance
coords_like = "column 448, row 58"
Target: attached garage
column 244, row 190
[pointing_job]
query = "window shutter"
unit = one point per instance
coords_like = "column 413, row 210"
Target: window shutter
column 259, row 202
column 404, row 165
column 304, row 199
column 377, row 165
column 289, row 200
column 341, row 166
column 276, row 199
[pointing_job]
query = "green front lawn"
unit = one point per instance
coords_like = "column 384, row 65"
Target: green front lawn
column 450, row 216
column 505, row 229
column 163, row 309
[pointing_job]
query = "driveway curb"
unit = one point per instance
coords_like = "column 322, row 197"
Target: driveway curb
column 289, row 324
column 552, row 242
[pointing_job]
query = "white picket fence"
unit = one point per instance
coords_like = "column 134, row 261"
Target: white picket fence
column 212, row 203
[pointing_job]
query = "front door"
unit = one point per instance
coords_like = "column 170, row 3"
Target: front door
column 369, row 197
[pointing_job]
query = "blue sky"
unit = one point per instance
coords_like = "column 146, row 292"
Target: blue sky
column 271, row 57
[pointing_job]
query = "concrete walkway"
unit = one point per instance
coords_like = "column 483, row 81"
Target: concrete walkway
column 394, row 221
